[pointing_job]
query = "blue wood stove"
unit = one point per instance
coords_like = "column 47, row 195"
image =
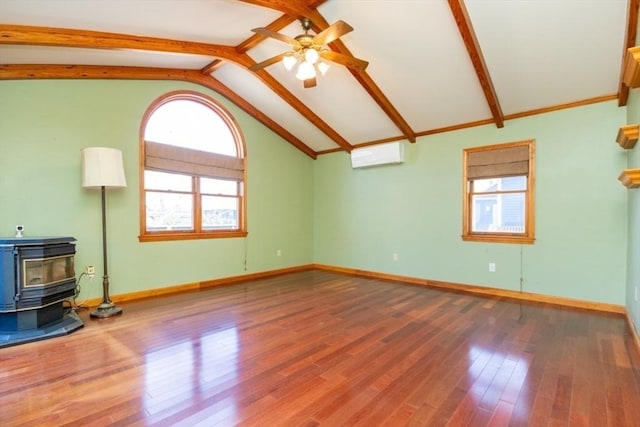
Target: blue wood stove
column 36, row 275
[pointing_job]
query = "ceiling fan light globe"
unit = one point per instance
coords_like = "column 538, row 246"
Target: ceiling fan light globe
column 323, row 67
column 305, row 71
column 311, row 56
column 289, row 61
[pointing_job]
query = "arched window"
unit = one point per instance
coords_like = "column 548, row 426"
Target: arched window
column 192, row 173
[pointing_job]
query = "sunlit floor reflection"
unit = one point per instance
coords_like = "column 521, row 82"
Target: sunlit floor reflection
column 496, row 375
column 178, row 375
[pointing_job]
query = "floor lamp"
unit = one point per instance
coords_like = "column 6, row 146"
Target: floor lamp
column 103, row 168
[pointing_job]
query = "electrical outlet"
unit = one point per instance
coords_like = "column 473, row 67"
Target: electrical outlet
column 636, row 294
column 90, row 269
column 492, row 267
column 395, row 257
column 278, row 252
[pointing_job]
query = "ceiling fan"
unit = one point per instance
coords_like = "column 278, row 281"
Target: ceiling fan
column 310, row 52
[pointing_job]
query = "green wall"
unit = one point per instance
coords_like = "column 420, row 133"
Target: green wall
column 362, row 217
column 633, row 245
column 45, row 124
column 324, row 211
column 633, row 250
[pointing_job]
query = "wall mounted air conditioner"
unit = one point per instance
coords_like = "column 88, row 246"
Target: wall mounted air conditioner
column 379, row 154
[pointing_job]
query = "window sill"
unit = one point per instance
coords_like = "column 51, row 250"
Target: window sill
column 496, row 238
column 167, row 236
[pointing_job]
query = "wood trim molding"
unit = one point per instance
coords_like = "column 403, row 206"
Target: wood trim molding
column 478, row 290
column 631, row 74
column 588, row 101
column 253, row 276
column 630, row 178
column 628, row 136
column 195, row 286
column 633, row 331
column 448, row 286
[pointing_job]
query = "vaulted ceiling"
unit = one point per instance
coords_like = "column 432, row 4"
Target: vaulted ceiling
column 433, row 65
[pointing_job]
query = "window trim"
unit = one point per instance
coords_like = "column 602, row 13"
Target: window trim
column 528, row 237
column 225, row 115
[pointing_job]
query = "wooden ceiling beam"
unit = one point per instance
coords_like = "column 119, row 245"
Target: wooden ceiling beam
column 297, row 8
column 292, row 12
column 59, row 71
column 630, row 41
column 23, row 35
column 305, row 111
column 25, row 72
column 47, row 36
column 320, row 23
column 66, row 37
column 218, row 86
column 212, row 66
column 463, row 22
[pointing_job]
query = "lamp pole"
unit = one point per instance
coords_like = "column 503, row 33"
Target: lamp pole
column 106, row 308
column 102, row 168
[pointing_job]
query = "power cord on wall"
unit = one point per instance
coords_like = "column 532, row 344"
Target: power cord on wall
column 521, row 278
column 521, row 269
column 73, row 304
column 246, row 250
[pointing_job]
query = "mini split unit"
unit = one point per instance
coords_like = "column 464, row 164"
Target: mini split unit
column 380, row 154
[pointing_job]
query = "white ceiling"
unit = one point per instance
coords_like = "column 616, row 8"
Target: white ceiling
column 538, row 54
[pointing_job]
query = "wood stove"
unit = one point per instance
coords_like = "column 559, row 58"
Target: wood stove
column 36, row 276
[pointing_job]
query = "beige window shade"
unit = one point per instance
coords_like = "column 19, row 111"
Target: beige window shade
column 501, row 162
column 169, row 158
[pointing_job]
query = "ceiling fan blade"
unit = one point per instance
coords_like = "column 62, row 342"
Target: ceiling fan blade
column 332, row 32
column 283, row 38
column 346, row 60
column 310, row 83
column 267, row 62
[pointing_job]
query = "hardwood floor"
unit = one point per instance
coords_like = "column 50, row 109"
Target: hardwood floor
column 319, row 348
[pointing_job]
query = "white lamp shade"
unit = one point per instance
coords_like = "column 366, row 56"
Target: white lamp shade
column 305, row 71
column 311, row 56
column 289, row 61
column 102, row 167
column 323, row 67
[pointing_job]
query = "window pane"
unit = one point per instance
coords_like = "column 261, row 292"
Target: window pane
column 179, row 203
column 513, row 183
column 508, row 183
column 219, row 212
column 499, row 213
column 190, row 124
column 169, row 211
column 218, row 186
column 166, row 181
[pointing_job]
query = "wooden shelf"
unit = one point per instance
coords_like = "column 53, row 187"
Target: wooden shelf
column 631, row 75
column 628, row 136
column 630, row 178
